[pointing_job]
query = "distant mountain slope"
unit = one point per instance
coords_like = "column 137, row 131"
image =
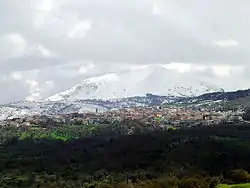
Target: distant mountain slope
column 152, row 79
column 230, row 99
column 232, row 95
column 243, row 102
column 25, row 108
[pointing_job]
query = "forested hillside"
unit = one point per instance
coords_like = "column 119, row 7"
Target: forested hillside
column 109, row 157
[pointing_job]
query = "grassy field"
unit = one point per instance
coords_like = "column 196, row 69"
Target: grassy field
column 244, row 185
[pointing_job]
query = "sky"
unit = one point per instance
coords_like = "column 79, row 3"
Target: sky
column 48, row 46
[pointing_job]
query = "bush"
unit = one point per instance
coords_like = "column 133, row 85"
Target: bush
column 170, row 181
column 190, row 183
column 214, row 182
column 124, row 185
column 239, row 176
column 199, row 182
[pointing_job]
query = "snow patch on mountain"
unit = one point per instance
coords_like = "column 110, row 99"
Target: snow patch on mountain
column 153, row 79
column 26, row 108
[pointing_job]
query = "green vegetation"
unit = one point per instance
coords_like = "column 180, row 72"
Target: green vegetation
column 65, row 133
column 242, row 185
column 107, row 156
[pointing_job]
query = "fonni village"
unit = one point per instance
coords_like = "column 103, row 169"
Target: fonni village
column 157, row 116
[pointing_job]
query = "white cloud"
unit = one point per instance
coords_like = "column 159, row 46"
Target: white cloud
column 227, row 70
column 86, row 67
column 41, row 19
column 50, row 83
column 15, row 38
column 157, row 9
column 226, row 43
column 47, row 87
column 44, row 51
column 33, row 84
column 17, row 76
column 138, row 67
column 179, row 67
column 45, row 5
column 16, row 45
column 34, row 90
column 80, row 30
column 219, row 70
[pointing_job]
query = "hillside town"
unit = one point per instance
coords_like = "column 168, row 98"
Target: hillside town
column 155, row 115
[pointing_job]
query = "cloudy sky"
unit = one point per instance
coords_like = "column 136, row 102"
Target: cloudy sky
column 47, row 46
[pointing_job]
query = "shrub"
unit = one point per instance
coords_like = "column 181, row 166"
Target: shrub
column 239, row 176
column 190, row 183
column 171, row 181
column 195, row 182
column 214, row 182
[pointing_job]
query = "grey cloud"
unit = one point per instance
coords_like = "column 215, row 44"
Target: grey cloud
column 13, row 90
column 28, row 63
column 135, row 35
column 127, row 31
column 123, row 32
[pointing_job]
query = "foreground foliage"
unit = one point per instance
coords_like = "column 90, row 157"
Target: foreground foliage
column 242, row 185
column 105, row 156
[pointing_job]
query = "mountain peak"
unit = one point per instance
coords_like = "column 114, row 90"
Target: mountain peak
column 153, row 79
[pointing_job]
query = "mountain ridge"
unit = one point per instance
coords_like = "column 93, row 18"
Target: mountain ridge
column 152, row 79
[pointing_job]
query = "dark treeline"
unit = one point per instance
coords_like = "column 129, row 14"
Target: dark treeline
column 191, row 155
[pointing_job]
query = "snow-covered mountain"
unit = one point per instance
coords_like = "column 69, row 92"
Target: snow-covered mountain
column 27, row 108
column 153, row 79
column 149, row 85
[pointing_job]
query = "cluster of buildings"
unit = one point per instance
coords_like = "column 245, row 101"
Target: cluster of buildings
column 178, row 116
column 155, row 115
